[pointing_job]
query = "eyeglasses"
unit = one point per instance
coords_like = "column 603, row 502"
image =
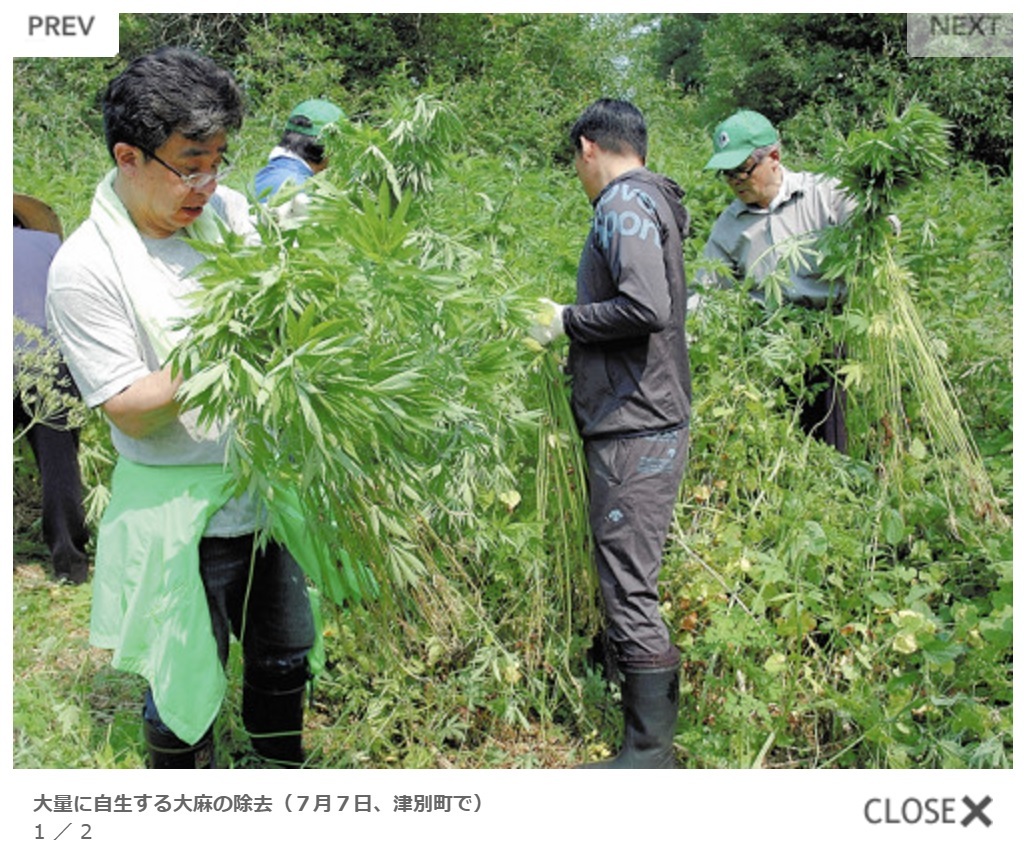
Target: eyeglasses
column 738, row 174
column 194, row 180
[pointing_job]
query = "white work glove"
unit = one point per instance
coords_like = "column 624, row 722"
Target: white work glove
column 548, row 322
column 290, row 214
column 896, row 224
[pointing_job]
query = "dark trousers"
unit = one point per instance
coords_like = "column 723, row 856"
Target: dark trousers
column 268, row 612
column 633, row 490
column 55, row 448
column 824, row 416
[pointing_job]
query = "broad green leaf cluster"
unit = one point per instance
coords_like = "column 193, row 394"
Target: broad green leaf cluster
column 833, row 611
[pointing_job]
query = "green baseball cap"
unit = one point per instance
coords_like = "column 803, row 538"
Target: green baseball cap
column 736, row 137
column 313, row 116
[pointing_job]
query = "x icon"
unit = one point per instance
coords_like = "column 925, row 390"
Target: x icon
column 976, row 811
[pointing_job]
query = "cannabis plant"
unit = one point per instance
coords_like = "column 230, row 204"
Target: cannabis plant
column 896, row 365
column 382, row 404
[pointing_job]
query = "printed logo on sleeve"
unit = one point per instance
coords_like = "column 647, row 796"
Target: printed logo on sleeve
column 636, row 222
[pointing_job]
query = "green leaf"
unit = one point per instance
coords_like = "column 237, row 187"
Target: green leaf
column 904, row 642
column 893, row 528
column 939, row 652
column 814, row 539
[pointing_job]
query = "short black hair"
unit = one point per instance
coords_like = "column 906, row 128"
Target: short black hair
column 614, row 126
column 170, row 90
column 303, row 146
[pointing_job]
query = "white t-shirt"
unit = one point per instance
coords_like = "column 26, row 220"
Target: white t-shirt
column 107, row 349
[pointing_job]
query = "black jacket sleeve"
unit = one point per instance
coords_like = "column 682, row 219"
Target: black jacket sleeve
column 623, row 291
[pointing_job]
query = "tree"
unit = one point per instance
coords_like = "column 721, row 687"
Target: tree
column 811, row 72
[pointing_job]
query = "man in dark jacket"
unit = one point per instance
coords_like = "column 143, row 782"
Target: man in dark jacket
column 631, row 395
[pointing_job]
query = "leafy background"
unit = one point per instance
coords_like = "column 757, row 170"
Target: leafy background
column 834, row 611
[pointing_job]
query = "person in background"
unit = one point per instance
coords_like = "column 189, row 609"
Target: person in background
column 37, row 236
column 178, row 564
column 300, row 154
column 631, row 397
column 775, row 205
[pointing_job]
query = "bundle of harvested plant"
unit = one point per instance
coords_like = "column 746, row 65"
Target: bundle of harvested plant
column 374, row 376
column 895, row 363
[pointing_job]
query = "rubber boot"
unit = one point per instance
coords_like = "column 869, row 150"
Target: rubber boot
column 272, row 711
column 166, row 750
column 650, row 699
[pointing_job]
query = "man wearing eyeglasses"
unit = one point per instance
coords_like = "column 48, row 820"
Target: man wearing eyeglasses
column 177, row 566
column 775, row 207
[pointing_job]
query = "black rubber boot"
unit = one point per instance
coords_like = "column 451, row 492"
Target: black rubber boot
column 650, row 699
column 272, row 711
column 166, row 750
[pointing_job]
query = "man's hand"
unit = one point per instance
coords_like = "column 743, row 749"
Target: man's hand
column 548, row 322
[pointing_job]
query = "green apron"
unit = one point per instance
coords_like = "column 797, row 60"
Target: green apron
column 149, row 604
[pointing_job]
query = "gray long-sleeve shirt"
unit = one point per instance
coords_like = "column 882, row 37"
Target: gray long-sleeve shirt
column 751, row 240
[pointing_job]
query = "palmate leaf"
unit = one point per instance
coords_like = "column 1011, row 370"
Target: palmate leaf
column 895, row 362
column 874, row 164
column 343, row 379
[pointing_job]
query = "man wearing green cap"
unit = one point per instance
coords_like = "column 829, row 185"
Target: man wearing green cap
column 300, row 152
column 775, row 206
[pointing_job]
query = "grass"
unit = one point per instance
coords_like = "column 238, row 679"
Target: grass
column 72, row 710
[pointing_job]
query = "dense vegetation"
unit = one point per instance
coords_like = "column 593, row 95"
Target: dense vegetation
column 833, row 611
column 826, row 72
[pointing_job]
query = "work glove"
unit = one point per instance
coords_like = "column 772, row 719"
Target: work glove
column 896, row 224
column 548, row 322
column 291, row 213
